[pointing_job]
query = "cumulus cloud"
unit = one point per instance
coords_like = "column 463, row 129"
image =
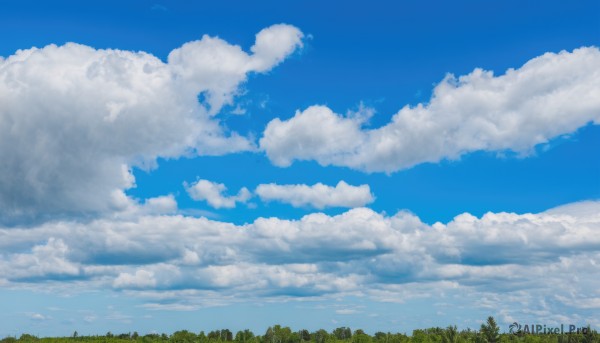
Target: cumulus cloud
column 217, row 68
column 45, row 262
column 74, row 120
column 551, row 95
column 212, row 193
column 159, row 205
column 497, row 260
column 140, row 279
column 318, row 196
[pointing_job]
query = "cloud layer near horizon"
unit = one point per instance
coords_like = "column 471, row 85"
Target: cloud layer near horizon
column 549, row 96
column 74, row 119
column 359, row 252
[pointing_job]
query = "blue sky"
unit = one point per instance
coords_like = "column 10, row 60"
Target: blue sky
column 176, row 165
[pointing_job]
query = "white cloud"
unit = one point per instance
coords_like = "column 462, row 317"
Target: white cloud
column 547, row 261
column 549, row 96
column 212, row 193
column 38, row 316
column 216, row 67
column 346, row 311
column 318, row 196
column 47, row 261
column 160, row 205
column 273, row 44
column 141, row 279
column 74, row 120
column 359, row 252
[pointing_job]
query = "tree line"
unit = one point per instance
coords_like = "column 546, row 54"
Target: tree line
column 489, row 332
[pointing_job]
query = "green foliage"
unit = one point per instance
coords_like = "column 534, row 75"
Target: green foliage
column 361, row 338
column 182, row 336
column 278, row 334
column 244, row 336
column 28, row 338
column 342, row 333
column 304, row 335
column 320, row 336
column 450, row 335
column 488, row 333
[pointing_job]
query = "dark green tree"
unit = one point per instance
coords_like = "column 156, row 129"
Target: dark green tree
column 420, row 336
column 320, row 336
column 226, row 335
column 244, row 336
column 304, row 335
column 490, row 331
column 183, row 336
column 214, row 336
column 450, row 335
column 342, row 333
column 361, row 337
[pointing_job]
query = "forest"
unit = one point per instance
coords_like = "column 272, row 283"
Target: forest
column 489, row 332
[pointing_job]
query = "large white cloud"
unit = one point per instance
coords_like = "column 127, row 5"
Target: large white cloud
column 318, row 196
column 216, row 67
column 74, row 120
column 499, row 257
column 549, row 96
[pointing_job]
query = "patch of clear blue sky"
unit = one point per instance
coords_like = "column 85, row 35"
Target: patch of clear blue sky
column 385, row 54
column 100, row 312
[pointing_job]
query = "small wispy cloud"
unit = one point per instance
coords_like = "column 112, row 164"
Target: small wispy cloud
column 38, row 316
column 214, row 194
